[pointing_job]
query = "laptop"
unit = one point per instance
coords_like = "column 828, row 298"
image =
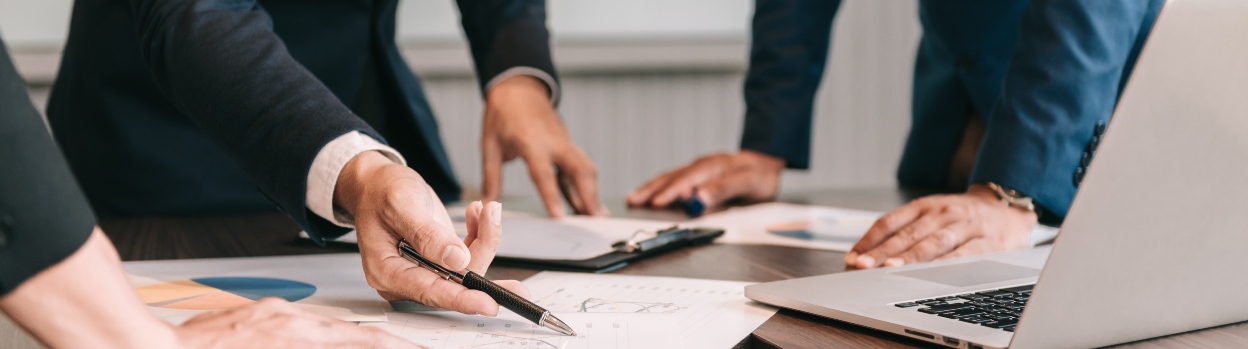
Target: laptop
column 1155, row 243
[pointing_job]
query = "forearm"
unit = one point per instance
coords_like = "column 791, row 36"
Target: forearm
column 86, row 302
column 1063, row 80
column 504, row 35
column 788, row 52
column 227, row 70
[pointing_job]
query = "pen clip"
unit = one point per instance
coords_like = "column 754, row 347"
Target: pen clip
column 410, row 254
column 661, row 238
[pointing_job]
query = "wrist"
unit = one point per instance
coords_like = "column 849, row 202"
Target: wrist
column 763, row 159
column 353, row 180
column 983, row 192
column 517, row 87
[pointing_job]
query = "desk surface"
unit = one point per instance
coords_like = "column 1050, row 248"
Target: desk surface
column 274, row 234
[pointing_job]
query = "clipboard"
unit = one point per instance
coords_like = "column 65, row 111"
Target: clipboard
column 637, row 247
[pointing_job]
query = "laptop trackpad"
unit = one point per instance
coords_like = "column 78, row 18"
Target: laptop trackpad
column 970, row 274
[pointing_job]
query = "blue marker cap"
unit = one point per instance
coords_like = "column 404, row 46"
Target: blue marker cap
column 694, row 206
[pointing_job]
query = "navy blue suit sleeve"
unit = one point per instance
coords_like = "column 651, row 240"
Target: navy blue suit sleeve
column 1064, row 78
column 44, row 218
column 223, row 66
column 504, row 34
column 788, row 52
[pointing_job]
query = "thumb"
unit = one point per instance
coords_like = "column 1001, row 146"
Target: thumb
column 438, row 243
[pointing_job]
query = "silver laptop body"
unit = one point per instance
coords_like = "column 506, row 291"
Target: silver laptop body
column 1156, row 241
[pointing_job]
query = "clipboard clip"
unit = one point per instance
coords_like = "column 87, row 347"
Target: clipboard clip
column 661, row 238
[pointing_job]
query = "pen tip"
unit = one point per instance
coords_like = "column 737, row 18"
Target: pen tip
column 551, row 322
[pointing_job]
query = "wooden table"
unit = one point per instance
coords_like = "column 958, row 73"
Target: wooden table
column 273, row 234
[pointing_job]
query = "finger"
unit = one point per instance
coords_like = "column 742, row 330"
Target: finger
column 570, row 194
column 731, row 186
column 905, row 237
column 936, row 244
column 430, row 289
column 472, row 214
column 542, row 172
column 515, row 287
column 436, row 242
column 585, row 179
column 886, row 226
column 489, row 232
column 681, row 185
column 491, row 169
column 642, row 196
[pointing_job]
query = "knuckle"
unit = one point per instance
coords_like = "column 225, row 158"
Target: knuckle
column 947, row 238
column 908, row 234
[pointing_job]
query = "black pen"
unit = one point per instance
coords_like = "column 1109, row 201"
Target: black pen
column 505, row 298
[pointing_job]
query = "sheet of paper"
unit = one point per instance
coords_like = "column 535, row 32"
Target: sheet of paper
column 574, row 238
column 446, row 330
column 815, row 227
column 709, row 313
column 457, row 218
column 570, row 238
column 829, row 228
column 331, row 285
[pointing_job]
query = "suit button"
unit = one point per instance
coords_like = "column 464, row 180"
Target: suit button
column 1100, row 129
column 1095, row 142
column 1078, row 176
column 6, row 226
column 1085, row 160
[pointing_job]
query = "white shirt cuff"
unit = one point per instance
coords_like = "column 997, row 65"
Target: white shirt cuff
column 530, row 71
column 328, row 165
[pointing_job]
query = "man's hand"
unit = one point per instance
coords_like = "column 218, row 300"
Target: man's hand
column 747, row 175
column 943, row 227
column 390, row 202
column 521, row 122
column 275, row 323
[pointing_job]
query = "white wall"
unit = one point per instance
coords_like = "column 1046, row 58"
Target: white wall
column 44, row 23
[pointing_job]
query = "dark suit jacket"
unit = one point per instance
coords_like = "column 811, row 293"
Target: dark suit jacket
column 169, row 107
column 1043, row 74
column 43, row 216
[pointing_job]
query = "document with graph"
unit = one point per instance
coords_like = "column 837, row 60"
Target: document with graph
column 708, row 313
column 446, row 330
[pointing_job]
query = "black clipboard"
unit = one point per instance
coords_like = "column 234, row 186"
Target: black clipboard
column 624, row 252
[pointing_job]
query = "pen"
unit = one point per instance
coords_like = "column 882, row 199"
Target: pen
column 505, row 298
column 694, row 205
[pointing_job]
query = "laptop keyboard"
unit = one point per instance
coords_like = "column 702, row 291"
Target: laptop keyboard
column 998, row 308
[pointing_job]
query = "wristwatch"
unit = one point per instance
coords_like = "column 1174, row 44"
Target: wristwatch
column 1012, row 197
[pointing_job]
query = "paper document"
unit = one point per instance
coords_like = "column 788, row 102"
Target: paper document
column 568, row 238
column 457, row 218
column 446, row 330
column 815, row 227
column 332, row 285
column 708, row 313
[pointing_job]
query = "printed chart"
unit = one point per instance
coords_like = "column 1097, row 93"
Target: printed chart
column 447, row 330
column 212, row 293
column 332, row 285
column 709, row 313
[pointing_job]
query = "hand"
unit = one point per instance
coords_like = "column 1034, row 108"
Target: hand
column 390, row 202
column 520, row 121
column 747, row 175
column 942, row 227
column 275, row 323
column 96, row 308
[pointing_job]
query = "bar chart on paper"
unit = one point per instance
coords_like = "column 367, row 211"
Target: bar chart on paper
column 447, row 330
